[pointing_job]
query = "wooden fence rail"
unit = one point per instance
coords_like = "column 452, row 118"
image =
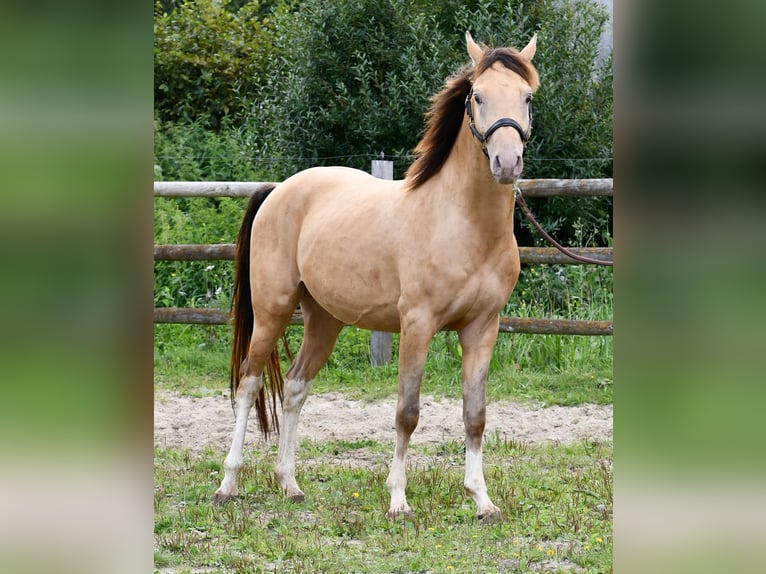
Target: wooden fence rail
column 507, row 324
column 529, row 187
column 528, row 255
column 225, row 251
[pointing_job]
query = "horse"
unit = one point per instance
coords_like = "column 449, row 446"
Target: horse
column 434, row 251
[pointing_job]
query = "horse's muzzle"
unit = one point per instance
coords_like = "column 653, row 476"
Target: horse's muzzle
column 506, row 168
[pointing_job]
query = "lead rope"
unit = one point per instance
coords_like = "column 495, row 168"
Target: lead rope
column 523, row 205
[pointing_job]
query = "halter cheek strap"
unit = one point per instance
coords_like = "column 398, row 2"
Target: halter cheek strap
column 501, row 123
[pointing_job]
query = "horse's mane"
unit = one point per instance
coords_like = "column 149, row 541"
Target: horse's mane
column 445, row 116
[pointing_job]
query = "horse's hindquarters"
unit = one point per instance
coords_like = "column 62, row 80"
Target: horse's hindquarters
column 346, row 246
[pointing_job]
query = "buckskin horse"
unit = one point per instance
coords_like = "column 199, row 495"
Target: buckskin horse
column 433, row 251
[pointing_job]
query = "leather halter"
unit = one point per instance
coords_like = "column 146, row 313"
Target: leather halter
column 501, row 123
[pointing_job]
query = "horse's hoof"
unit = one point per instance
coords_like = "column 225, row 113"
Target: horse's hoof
column 494, row 516
column 220, row 498
column 297, row 497
column 404, row 514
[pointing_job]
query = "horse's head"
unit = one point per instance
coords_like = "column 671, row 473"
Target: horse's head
column 499, row 105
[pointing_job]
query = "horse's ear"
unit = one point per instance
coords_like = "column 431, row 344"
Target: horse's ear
column 529, row 51
column 474, row 50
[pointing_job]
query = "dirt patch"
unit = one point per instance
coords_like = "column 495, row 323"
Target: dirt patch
column 198, row 423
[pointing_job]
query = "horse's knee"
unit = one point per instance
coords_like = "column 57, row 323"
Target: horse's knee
column 475, row 420
column 407, row 417
column 248, row 388
column 295, row 393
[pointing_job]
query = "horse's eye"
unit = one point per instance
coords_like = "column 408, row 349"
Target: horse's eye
column 529, row 99
column 477, row 98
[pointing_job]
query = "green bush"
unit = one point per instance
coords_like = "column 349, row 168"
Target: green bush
column 260, row 92
column 195, row 220
column 353, row 79
column 572, row 135
column 209, row 61
column 190, row 151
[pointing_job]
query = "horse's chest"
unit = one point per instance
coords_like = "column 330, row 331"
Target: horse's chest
column 479, row 283
column 493, row 281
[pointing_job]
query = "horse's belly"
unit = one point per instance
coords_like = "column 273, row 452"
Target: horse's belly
column 348, row 261
column 358, row 301
column 354, row 284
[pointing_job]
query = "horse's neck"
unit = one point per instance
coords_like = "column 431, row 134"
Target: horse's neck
column 465, row 179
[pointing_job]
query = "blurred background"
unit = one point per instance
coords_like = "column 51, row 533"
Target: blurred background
column 77, row 120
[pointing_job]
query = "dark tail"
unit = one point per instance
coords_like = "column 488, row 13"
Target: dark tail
column 243, row 325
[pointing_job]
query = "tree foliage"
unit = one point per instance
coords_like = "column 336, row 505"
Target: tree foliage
column 208, row 60
column 354, row 78
column 249, row 91
column 326, row 81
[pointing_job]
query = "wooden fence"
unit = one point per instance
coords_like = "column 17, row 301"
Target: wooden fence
column 528, row 255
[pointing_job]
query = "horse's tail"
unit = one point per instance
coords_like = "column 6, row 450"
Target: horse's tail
column 243, row 320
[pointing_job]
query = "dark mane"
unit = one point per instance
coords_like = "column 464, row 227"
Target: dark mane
column 445, row 116
column 443, row 121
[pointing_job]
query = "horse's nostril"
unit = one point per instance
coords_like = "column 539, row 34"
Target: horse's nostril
column 519, row 166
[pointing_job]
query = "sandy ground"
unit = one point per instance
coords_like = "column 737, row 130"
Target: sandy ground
column 197, row 423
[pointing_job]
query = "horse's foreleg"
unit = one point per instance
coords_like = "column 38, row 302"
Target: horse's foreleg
column 477, row 342
column 413, row 348
column 247, row 391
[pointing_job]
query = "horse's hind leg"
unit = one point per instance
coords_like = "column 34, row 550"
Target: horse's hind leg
column 247, row 391
column 319, row 335
column 266, row 333
column 477, row 341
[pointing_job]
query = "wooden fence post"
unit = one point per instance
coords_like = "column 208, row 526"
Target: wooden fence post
column 380, row 343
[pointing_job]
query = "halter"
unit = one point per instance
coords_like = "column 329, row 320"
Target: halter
column 501, row 123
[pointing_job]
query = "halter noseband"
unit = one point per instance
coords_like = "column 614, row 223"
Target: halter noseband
column 501, row 123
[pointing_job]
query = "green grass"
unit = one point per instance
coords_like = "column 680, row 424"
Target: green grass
column 192, row 359
column 557, row 502
column 545, row 369
column 557, row 499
